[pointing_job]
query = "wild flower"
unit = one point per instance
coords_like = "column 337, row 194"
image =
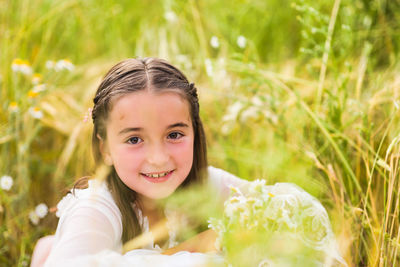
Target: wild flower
column 22, row 66
column 39, row 88
column 170, row 16
column 33, row 217
column 13, row 107
column 209, row 67
column 36, row 113
column 241, row 41
column 251, row 112
column 214, row 42
column 271, row 116
column 256, row 187
column 36, row 78
column 257, row 101
column 50, row 64
column 6, row 182
column 233, row 111
column 64, row 64
column 184, row 61
column 41, row 210
column 279, row 212
column 32, row 94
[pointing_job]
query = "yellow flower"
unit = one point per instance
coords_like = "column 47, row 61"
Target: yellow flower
column 18, row 61
column 23, row 66
column 270, row 194
column 13, row 107
column 32, row 94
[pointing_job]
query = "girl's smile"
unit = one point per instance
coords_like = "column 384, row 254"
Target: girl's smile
column 150, row 141
column 157, row 177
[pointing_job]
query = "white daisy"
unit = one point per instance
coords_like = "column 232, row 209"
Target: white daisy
column 241, row 41
column 36, row 113
column 214, row 42
column 34, row 217
column 41, row 210
column 6, row 182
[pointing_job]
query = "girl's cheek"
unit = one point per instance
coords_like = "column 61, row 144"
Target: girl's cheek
column 183, row 149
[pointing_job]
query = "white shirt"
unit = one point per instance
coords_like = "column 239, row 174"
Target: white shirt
column 90, row 228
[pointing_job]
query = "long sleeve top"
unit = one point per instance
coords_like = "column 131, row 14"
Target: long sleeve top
column 90, row 228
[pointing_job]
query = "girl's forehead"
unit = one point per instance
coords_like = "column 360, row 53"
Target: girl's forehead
column 145, row 107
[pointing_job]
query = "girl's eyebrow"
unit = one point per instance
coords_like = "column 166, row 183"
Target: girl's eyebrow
column 138, row 129
column 179, row 124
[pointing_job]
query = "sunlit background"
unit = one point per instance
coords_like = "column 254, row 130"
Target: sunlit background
column 301, row 91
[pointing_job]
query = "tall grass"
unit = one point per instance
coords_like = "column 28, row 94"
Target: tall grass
column 316, row 90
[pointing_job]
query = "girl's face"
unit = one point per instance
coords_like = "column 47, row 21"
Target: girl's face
column 150, row 142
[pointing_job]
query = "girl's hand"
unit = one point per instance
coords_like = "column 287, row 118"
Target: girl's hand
column 203, row 242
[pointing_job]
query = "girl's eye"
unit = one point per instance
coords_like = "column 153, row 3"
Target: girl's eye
column 175, row 135
column 134, row 140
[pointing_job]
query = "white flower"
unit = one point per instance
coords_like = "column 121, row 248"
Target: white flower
column 36, row 78
column 233, row 111
column 170, row 16
column 23, row 66
column 250, row 113
column 41, row 210
column 209, row 67
column 39, row 88
column 269, row 115
column 36, row 113
column 227, row 127
column 214, row 42
column 256, row 187
column 64, row 64
column 50, row 64
column 241, row 41
column 232, row 206
column 6, row 182
column 256, row 101
column 34, row 217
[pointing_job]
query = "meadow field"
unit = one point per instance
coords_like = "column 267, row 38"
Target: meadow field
column 298, row 91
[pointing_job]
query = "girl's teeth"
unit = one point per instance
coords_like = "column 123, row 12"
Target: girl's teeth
column 157, row 175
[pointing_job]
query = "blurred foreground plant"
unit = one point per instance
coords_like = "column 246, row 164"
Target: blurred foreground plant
column 278, row 225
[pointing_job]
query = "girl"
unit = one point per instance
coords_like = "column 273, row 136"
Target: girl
column 147, row 130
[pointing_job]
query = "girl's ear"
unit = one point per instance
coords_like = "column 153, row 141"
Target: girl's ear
column 104, row 151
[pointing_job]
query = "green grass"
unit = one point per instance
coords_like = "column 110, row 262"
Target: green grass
column 328, row 83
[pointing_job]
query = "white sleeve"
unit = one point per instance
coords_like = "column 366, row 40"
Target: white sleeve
column 222, row 181
column 86, row 230
column 89, row 234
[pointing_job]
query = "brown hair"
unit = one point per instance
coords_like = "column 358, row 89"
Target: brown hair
column 132, row 75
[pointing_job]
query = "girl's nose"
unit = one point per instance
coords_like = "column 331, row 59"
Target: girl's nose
column 157, row 155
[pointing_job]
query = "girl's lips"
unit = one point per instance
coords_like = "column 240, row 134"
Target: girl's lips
column 150, row 177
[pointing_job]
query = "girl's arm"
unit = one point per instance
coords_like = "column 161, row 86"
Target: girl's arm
column 203, row 242
column 42, row 251
column 222, row 180
column 86, row 231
